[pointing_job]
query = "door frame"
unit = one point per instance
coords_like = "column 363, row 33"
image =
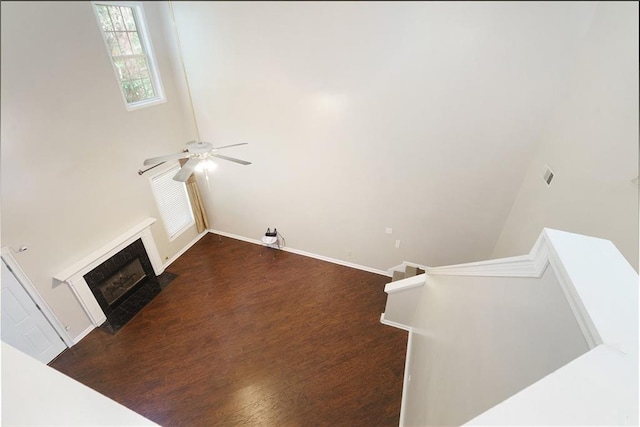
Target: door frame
column 23, row 279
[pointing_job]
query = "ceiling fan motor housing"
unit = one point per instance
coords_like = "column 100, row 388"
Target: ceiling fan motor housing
column 200, row 147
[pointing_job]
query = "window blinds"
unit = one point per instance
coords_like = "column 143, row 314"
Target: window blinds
column 173, row 202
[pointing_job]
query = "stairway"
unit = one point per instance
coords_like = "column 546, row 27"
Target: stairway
column 542, row 324
column 409, row 271
column 407, row 280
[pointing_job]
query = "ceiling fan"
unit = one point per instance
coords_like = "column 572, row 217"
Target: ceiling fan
column 195, row 152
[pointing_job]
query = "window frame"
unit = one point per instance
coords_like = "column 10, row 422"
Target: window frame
column 147, row 47
column 172, row 170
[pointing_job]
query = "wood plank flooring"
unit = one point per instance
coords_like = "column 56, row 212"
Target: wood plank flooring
column 241, row 338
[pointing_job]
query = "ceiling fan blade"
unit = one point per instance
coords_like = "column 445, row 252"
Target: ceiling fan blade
column 232, row 145
column 160, row 159
column 231, row 159
column 187, row 169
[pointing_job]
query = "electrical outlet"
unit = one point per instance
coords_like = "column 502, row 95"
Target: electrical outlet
column 397, row 243
column 388, row 230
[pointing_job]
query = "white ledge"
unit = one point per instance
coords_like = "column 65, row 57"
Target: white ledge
column 69, row 272
column 404, row 284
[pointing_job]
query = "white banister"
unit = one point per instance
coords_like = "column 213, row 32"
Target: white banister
column 523, row 297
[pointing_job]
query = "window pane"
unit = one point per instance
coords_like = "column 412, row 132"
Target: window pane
column 105, row 20
column 127, row 14
column 127, row 88
column 136, row 47
column 132, row 66
column 143, row 68
column 123, row 72
column 138, row 90
column 148, row 87
column 116, row 18
column 123, row 41
column 113, row 44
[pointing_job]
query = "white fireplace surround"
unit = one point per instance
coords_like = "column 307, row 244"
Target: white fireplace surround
column 74, row 275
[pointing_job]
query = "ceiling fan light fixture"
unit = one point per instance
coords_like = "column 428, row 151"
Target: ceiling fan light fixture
column 199, row 155
column 206, row 165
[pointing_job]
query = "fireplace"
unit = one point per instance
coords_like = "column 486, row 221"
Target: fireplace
column 123, row 285
column 117, row 286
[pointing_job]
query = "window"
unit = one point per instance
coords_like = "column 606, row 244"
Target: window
column 129, row 47
column 173, row 202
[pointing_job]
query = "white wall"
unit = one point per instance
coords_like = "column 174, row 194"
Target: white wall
column 478, row 340
column 419, row 116
column 70, row 149
column 591, row 144
column 34, row 394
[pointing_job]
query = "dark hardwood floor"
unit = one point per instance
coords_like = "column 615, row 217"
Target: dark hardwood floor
column 241, row 338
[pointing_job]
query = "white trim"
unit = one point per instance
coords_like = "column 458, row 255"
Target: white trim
column 337, row 261
column 304, row 253
column 587, row 327
column 235, row 236
column 99, row 253
column 83, row 334
column 531, row 265
column 404, row 284
column 407, row 363
column 182, row 230
column 35, row 295
column 87, row 300
column 405, row 380
column 384, row 321
column 186, row 248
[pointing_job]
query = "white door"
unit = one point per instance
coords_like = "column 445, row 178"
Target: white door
column 23, row 324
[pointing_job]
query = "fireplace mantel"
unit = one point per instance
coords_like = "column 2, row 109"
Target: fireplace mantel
column 74, row 274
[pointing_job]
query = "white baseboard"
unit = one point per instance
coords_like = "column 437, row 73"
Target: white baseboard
column 183, row 250
column 83, row 334
column 305, row 253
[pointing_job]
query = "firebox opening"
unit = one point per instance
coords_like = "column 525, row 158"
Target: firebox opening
column 122, row 281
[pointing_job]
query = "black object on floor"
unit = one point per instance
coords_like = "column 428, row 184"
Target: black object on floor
column 165, row 278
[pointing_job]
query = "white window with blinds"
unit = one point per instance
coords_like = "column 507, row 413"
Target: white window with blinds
column 173, row 202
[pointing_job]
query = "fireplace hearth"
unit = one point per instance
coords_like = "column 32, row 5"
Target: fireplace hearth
column 123, row 285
